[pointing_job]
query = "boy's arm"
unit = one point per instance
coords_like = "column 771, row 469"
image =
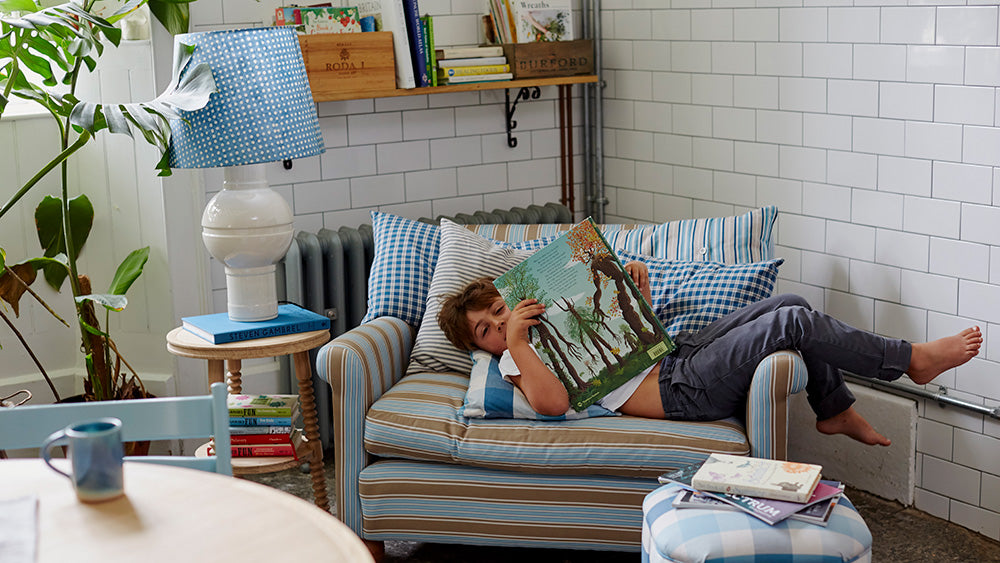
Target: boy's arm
column 544, row 391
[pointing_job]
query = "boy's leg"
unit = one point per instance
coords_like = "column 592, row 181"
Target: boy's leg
column 737, row 318
column 710, row 379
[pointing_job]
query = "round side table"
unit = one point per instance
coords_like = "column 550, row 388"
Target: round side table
column 226, row 359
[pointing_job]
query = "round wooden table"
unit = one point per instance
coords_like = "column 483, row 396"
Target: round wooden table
column 184, row 343
column 173, row 514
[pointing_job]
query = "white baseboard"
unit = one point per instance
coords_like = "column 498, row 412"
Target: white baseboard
column 888, row 472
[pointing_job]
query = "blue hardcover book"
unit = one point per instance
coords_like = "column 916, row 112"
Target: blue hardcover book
column 414, row 30
column 218, row 329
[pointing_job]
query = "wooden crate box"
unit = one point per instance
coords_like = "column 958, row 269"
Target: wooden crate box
column 550, row 58
column 349, row 62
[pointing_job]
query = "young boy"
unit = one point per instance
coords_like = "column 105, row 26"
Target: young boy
column 708, row 376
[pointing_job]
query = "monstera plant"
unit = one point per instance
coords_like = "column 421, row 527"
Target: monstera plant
column 43, row 54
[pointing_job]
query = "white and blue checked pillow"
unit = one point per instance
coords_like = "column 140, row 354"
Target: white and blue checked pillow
column 406, row 251
column 687, row 296
column 492, row 396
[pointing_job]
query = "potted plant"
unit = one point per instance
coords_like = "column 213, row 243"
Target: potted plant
column 43, row 53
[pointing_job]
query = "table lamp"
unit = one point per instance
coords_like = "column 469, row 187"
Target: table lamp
column 262, row 112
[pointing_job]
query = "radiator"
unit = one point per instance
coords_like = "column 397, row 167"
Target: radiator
column 327, row 272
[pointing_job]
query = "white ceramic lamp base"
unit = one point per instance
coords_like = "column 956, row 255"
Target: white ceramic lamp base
column 248, row 227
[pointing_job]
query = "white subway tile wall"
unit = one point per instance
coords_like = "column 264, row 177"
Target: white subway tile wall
column 874, row 129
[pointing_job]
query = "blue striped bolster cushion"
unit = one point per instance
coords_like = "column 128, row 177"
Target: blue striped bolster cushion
column 419, row 419
column 416, row 501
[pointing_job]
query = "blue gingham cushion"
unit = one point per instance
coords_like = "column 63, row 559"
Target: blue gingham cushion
column 405, row 254
column 492, row 396
column 464, row 256
column 719, row 536
column 687, row 296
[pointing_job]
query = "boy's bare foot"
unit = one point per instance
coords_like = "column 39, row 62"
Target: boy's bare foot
column 852, row 424
column 930, row 359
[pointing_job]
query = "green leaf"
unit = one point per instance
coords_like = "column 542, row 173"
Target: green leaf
column 18, row 6
column 49, row 225
column 174, row 16
column 110, row 302
column 128, row 271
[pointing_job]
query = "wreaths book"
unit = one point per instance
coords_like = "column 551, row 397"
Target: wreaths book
column 218, row 329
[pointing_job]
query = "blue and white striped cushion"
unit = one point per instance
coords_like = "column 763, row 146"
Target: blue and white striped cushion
column 687, row 296
column 406, row 252
column 492, row 396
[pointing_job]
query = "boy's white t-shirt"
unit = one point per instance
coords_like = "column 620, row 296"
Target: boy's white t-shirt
column 612, row 401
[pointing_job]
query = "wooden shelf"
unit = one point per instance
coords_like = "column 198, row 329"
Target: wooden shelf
column 330, row 96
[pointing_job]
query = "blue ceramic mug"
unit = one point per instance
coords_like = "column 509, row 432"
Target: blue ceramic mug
column 95, row 450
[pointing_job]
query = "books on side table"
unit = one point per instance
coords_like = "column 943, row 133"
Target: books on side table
column 751, row 489
column 218, row 329
column 264, row 425
column 462, row 65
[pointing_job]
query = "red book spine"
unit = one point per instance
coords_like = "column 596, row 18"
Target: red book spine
column 251, row 439
column 264, row 450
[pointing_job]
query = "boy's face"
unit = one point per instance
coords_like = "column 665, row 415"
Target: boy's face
column 489, row 327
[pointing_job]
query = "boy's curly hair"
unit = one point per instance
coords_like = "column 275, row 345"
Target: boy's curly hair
column 453, row 317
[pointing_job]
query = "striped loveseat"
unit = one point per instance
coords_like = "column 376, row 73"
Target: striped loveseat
column 409, row 466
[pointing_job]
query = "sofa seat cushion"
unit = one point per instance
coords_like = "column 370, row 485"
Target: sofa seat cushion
column 419, row 419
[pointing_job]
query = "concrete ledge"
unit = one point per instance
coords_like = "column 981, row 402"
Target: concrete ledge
column 890, row 472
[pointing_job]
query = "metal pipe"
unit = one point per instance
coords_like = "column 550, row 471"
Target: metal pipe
column 587, row 148
column 600, row 199
column 941, row 398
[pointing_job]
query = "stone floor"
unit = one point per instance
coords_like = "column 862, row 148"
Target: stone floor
column 901, row 535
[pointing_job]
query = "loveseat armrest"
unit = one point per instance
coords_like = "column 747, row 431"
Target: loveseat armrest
column 360, row 366
column 778, row 375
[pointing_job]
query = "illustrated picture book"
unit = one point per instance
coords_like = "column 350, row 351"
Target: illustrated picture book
column 766, row 478
column 542, row 20
column 597, row 331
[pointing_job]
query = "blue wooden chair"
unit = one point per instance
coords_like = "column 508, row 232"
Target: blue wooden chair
column 167, row 418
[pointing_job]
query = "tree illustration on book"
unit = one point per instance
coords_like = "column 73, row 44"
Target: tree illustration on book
column 598, row 331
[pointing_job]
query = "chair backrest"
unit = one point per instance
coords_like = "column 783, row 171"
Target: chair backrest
column 166, row 418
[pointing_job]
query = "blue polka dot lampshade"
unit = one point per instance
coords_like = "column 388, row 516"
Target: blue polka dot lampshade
column 263, row 111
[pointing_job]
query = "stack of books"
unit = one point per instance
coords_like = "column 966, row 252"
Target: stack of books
column 217, row 328
column 264, row 425
column 462, row 65
column 767, row 489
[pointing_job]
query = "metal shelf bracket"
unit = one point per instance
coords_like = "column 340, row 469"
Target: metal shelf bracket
column 532, row 92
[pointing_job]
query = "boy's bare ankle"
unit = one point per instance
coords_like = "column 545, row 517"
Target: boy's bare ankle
column 930, row 359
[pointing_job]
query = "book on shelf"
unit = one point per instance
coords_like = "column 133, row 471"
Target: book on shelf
column 818, row 513
column 473, row 61
column 474, row 70
column 371, row 8
column 219, row 329
column 394, row 20
column 768, row 510
column 469, row 52
column 542, row 20
column 597, row 332
column 427, row 26
column 766, row 478
column 289, row 448
column 411, row 8
column 477, row 78
column 319, row 19
column 262, row 405
column 284, row 429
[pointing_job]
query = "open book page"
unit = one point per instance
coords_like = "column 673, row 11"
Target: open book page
column 597, row 331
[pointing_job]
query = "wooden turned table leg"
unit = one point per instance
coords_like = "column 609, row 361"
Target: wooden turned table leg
column 235, row 376
column 216, row 372
column 303, row 372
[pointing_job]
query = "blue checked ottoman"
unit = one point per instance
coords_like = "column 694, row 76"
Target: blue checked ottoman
column 697, row 535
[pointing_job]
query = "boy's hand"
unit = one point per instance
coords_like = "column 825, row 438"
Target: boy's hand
column 524, row 316
column 640, row 276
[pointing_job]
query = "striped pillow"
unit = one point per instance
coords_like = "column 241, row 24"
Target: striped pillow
column 492, row 396
column 464, row 256
column 406, row 251
column 687, row 296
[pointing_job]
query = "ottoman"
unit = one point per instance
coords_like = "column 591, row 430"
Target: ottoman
column 696, row 535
